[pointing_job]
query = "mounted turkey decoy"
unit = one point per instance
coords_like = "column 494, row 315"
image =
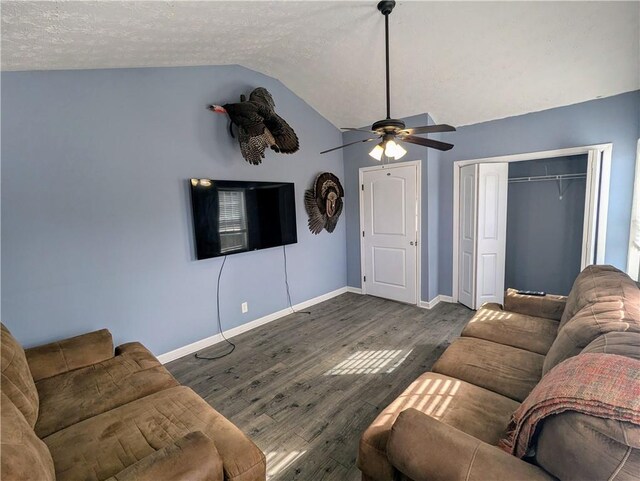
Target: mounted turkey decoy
column 259, row 126
column 390, row 131
column 323, row 203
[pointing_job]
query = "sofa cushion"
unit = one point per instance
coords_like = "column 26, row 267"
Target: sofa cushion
column 596, row 284
column 427, row 450
column 577, row 447
column 17, row 382
column 492, row 323
column 620, row 343
column 24, row 456
column 502, row 369
column 68, row 398
column 73, row 353
column 593, row 320
column 549, row 306
column 193, row 457
column 102, row 446
column 471, row 409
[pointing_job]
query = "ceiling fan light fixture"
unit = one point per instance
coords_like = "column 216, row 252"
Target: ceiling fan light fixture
column 377, row 151
column 390, row 149
column 393, row 150
column 400, row 152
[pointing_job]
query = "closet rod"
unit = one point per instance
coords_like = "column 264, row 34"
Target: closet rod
column 542, row 178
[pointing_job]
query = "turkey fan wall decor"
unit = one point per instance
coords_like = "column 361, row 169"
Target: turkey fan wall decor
column 258, row 126
column 323, row 203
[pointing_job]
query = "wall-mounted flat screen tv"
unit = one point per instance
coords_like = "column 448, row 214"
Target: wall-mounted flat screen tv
column 236, row 216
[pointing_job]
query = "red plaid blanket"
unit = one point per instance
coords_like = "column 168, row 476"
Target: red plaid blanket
column 600, row 385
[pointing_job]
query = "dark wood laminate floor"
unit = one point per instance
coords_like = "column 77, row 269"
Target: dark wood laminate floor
column 304, row 387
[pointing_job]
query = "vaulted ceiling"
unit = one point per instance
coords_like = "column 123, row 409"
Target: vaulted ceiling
column 463, row 62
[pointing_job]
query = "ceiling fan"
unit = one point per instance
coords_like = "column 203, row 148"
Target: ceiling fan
column 391, row 131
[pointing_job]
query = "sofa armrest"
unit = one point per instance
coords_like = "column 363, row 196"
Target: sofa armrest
column 59, row 357
column 131, row 347
column 424, row 449
column 550, row 306
column 193, row 457
column 140, row 354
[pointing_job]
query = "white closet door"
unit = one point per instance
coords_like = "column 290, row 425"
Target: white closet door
column 467, row 234
column 596, row 199
column 491, row 232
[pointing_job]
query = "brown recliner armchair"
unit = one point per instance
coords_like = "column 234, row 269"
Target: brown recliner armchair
column 78, row 409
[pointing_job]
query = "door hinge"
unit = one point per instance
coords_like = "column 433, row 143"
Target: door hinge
column 362, row 233
column 364, row 279
column 362, row 187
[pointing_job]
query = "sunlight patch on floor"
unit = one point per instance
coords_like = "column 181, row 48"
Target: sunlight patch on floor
column 278, row 461
column 370, row 362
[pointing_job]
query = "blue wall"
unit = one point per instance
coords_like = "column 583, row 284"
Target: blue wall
column 96, row 227
column 544, row 232
column 613, row 119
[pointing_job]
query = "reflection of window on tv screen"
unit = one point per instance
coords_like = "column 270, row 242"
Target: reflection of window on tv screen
column 237, row 216
column 232, row 219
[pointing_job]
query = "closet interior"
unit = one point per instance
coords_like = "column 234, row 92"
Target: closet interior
column 545, row 220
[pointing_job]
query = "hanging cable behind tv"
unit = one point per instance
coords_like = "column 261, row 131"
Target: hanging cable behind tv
column 286, row 283
column 233, row 346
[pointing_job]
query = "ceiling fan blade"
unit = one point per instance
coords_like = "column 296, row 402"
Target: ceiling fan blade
column 434, row 144
column 347, row 145
column 358, row 130
column 428, row 129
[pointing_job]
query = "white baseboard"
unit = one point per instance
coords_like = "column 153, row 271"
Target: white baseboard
column 435, row 301
column 424, row 304
column 211, row 340
column 429, row 304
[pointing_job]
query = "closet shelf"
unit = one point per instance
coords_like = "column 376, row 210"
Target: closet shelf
column 543, row 178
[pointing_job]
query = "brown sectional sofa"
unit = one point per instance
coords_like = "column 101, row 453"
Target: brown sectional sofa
column 78, row 410
column 447, row 423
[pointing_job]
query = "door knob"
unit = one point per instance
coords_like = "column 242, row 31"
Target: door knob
column 411, row 243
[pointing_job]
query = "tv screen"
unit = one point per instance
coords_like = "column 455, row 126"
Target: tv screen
column 236, row 216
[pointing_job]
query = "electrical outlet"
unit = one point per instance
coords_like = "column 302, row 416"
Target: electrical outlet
column 245, row 307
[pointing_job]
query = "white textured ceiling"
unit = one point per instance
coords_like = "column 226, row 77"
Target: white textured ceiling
column 463, row 62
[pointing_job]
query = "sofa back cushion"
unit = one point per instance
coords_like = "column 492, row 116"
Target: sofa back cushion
column 592, row 321
column 574, row 446
column 58, row 357
column 596, row 284
column 24, row 455
column 620, row 343
column 17, row 381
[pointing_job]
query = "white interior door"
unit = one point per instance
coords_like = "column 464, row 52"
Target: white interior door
column 491, row 233
column 389, row 232
column 467, row 233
